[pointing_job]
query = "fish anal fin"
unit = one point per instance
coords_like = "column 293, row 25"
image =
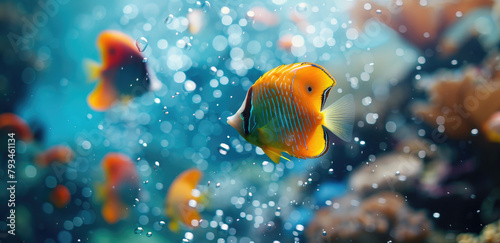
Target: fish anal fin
column 102, row 97
column 273, row 154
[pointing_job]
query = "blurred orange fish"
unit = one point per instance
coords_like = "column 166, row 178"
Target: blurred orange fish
column 284, row 112
column 120, row 188
column 12, row 123
column 57, row 153
column 123, row 74
column 182, row 199
column 262, row 15
column 492, row 127
column 60, row 196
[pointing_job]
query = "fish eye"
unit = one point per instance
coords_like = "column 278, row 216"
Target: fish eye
column 310, row 89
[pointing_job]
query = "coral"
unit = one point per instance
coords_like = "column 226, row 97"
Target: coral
column 460, row 104
column 420, row 22
column 391, row 171
column 382, row 217
column 489, row 234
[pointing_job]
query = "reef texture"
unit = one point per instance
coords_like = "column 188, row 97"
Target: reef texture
column 383, row 217
column 489, row 234
column 461, row 103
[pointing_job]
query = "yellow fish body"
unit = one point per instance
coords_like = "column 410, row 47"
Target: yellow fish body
column 283, row 112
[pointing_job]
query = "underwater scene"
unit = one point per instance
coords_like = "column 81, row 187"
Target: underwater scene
column 250, row 121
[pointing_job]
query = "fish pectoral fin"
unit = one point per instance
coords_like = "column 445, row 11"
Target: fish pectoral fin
column 339, row 117
column 174, row 226
column 102, row 97
column 93, row 69
column 273, row 154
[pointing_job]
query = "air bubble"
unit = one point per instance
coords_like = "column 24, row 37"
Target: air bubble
column 169, row 19
column 138, row 231
column 162, row 223
column 149, row 234
column 141, row 44
column 223, row 148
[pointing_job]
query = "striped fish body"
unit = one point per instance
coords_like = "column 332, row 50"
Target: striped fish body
column 282, row 111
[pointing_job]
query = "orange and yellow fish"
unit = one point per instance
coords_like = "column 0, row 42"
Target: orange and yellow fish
column 10, row 122
column 123, row 74
column 57, row 153
column 182, row 199
column 120, row 188
column 284, row 112
column 60, row 196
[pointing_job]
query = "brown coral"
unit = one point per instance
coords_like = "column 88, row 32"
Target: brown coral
column 461, row 104
column 489, row 234
column 395, row 171
column 379, row 218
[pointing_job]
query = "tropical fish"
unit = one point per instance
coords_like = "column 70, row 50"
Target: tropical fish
column 123, row 74
column 10, row 122
column 120, row 188
column 492, row 127
column 182, row 199
column 57, row 153
column 283, row 112
column 60, row 196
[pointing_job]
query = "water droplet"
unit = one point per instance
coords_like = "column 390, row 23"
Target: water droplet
column 141, row 44
column 188, row 46
column 217, row 185
column 169, row 19
column 162, row 223
column 149, row 234
column 144, row 60
column 324, row 232
column 278, row 209
column 138, row 231
column 398, row 173
column 301, row 7
column 330, row 171
column 185, row 240
column 379, row 11
column 269, row 226
column 136, row 200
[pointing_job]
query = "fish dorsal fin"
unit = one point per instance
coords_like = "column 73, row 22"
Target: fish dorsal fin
column 339, row 117
column 93, row 69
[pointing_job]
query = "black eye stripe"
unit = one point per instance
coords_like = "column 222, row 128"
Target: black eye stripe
column 246, row 112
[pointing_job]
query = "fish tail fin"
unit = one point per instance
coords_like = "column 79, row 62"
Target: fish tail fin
column 93, row 69
column 339, row 117
column 174, row 226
